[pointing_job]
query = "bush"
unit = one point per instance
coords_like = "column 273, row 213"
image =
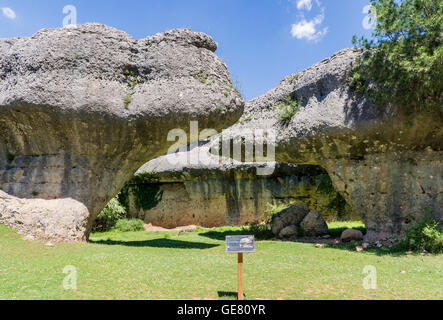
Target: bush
column 289, row 109
column 272, row 209
column 423, row 234
column 109, row 216
column 259, row 231
column 127, row 225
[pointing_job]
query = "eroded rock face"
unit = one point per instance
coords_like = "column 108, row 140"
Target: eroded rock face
column 212, row 191
column 386, row 164
column 81, row 109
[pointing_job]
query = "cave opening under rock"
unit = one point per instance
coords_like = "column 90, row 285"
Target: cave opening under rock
column 236, row 197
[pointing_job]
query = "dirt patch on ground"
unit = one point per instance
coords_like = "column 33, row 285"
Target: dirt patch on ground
column 151, row 228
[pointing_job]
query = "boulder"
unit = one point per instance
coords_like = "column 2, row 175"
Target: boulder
column 81, row 109
column 287, row 217
column 58, row 219
column 351, row 235
column 288, row 232
column 314, row 225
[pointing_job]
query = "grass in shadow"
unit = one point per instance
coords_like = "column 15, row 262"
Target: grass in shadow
column 394, row 251
column 260, row 232
column 227, row 295
column 158, row 243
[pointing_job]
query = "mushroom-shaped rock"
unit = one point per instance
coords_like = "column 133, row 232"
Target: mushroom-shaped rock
column 385, row 162
column 81, row 109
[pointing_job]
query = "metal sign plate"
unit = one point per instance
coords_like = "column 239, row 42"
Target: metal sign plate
column 240, row 244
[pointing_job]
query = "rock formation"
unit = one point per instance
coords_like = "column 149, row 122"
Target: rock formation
column 351, row 235
column 386, row 163
column 296, row 221
column 212, row 193
column 81, row 109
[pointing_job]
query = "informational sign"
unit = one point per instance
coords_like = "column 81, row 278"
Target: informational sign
column 240, row 244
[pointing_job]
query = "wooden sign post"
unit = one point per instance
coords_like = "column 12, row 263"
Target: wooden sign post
column 240, row 245
column 240, row 276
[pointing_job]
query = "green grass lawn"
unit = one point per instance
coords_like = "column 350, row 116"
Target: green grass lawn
column 141, row 265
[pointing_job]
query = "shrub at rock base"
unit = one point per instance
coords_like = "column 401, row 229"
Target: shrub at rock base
column 424, row 234
column 109, row 216
column 127, row 225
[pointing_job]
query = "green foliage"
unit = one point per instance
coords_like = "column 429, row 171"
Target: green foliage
column 128, row 225
column 336, row 200
column 146, row 190
column 272, row 209
column 10, row 157
column 109, row 216
column 289, row 108
column 294, row 78
column 237, row 86
column 404, row 64
column 127, row 101
column 259, row 231
column 424, row 234
column 324, row 184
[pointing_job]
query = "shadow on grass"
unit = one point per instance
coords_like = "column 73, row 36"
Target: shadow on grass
column 333, row 232
column 158, row 243
column 227, row 294
column 221, row 235
column 383, row 251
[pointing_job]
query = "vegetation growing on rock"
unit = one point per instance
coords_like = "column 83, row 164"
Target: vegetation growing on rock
column 405, row 61
column 289, row 108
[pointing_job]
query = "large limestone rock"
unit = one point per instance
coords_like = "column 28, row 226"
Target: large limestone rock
column 291, row 216
column 60, row 219
column 351, row 235
column 385, row 163
column 81, row 109
column 314, row 225
column 288, row 232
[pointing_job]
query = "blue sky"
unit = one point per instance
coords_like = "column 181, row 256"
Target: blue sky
column 261, row 41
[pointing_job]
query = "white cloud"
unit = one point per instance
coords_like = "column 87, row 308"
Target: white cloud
column 307, row 4
column 9, row 13
column 309, row 29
